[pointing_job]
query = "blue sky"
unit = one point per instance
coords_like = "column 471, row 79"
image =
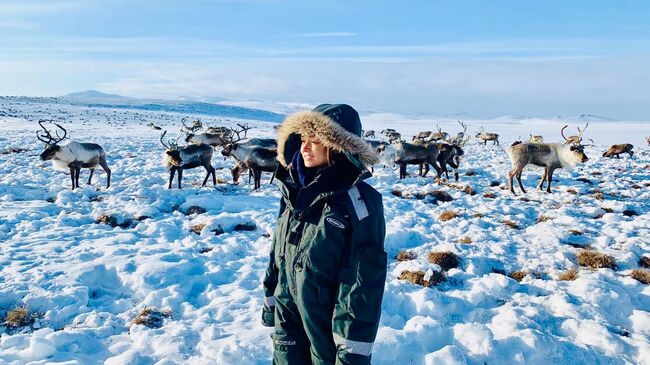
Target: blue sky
column 484, row 58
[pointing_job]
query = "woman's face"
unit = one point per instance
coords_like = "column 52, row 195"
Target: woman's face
column 314, row 154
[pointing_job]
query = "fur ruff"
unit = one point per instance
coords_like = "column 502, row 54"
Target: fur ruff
column 330, row 133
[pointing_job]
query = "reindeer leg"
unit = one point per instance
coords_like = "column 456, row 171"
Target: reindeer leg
column 521, row 185
column 257, row 178
column 72, row 171
column 180, row 177
column 172, row 171
column 437, row 168
column 549, row 178
column 78, row 173
column 402, row 170
column 631, row 153
column 511, row 175
column 540, row 186
column 207, row 175
column 90, row 178
column 104, row 165
column 272, row 177
column 214, row 176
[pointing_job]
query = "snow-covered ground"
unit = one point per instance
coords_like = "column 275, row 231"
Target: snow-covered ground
column 85, row 282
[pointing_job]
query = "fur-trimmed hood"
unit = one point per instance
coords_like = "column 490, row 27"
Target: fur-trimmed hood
column 323, row 128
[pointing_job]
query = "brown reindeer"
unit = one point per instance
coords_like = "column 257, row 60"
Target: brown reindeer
column 617, row 149
column 485, row 137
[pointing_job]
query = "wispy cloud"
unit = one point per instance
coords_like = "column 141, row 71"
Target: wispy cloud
column 166, row 48
column 30, row 8
column 330, row 34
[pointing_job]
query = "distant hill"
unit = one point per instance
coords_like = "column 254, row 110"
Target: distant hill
column 97, row 99
column 93, row 94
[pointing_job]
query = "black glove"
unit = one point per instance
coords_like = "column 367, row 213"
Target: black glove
column 268, row 316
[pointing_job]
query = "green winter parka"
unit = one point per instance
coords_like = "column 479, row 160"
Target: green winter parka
column 327, row 268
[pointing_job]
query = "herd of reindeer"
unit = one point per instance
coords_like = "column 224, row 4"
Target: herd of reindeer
column 257, row 155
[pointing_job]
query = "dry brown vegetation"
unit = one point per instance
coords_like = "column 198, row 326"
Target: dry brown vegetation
column 598, row 195
column 489, row 195
column 478, row 215
column 511, row 224
column 197, row 228
column 151, row 317
column 405, row 256
column 417, row 277
column 446, row 260
column 465, row 240
column 641, row 275
column 448, row 215
column 568, row 275
column 18, row 317
column 543, row 218
column 595, row 260
column 107, row 219
column 572, row 191
column 518, row 275
column 469, row 190
column 576, row 232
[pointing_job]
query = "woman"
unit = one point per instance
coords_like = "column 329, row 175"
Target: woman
column 325, row 279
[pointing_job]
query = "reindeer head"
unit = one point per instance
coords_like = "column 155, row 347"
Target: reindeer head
column 51, row 143
column 171, row 150
column 230, row 141
column 578, row 153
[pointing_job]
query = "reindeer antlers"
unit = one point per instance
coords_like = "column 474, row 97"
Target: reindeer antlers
column 171, row 145
column 48, row 135
column 243, row 128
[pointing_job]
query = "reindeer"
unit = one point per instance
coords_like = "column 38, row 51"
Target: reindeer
column 648, row 140
column 195, row 127
column 535, row 139
column 213, row 136
column 219, row 130
column 188, row 157
column 154, row 127
column 421, row 135
column 575, row 140
column 368, row 134
column 377, row 147
column 256, row 158
column 550, row 156
column 240, row 167
column 485, row 137
column 73, row 155
column 387, row 131
column 449, row 155
column 460, row 138
column 414, row 154
column 393, row 137
column 440, row 135
column 617, row 149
